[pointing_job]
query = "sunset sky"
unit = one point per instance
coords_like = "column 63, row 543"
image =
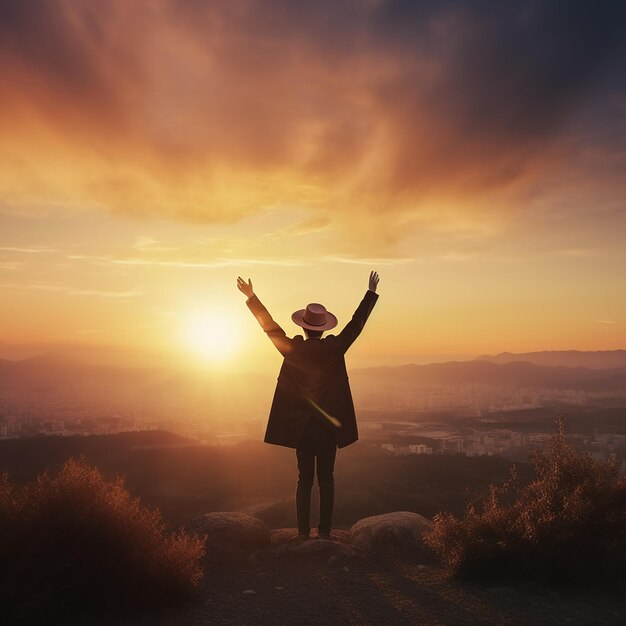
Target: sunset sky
column 473, row 153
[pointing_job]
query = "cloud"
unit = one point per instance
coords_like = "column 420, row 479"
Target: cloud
column 373, row 262
column 307, row 227
column 186, row 264
column 26, row 250
column 144, row 242
column 20, row 252
column 375, row 115
column 74, row 291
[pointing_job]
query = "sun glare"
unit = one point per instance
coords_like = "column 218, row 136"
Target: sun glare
column 211, row 336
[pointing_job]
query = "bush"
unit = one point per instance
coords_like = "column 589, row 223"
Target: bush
column 568, row 525
column 75, row 541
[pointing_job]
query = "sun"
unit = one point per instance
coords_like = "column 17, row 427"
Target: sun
column 210, row 335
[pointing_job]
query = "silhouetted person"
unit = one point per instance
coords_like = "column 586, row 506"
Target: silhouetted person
column 312, row 410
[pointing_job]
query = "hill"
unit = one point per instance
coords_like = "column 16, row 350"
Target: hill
column 184, row 479
column 520, row 374
column 585, row 371
column 320, row 591
column 600, row 359
column 51, row 378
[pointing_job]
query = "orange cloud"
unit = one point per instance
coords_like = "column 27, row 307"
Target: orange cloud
column 383, row 118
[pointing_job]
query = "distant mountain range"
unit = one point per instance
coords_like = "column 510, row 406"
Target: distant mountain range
column 51, row 370
column 516, row 374
column 601, row 359
column 54, row 376
column 506, row 369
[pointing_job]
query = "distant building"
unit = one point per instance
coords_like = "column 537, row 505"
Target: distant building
column 454, row 445
column 420, row 448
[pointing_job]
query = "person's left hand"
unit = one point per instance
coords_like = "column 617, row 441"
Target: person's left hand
column 245, row 287
column 373, row 282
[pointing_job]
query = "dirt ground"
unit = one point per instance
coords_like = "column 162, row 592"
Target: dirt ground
column 316, row 588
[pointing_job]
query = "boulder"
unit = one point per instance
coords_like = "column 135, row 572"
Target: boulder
column 286, row 535
column 285, row 542
column 231, row 532
column 321, row 547
column 400, row 531
column 314, row 548
column 283, row 535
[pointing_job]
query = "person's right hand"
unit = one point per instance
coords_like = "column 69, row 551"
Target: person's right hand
column 374, row 278
column 245, row 287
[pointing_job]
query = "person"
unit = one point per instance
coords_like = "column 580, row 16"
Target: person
column 312, row 409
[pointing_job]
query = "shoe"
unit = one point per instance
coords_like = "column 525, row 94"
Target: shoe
column 300, row 537
column 326, row 536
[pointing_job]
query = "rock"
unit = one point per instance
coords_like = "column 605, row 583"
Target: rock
column 282, row 535
column 286, row 545
column 320, row 547
column 249, row 592
column 399, row 531
column 231, row 532
column 285, row 535
column 342, row 536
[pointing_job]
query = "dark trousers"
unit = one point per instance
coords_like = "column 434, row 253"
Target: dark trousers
column 317, row 443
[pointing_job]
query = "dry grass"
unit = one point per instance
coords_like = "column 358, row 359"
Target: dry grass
column 75, row 542
column 568, row 525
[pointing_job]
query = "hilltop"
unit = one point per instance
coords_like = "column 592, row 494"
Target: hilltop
column 321, row 582
column 384, row 577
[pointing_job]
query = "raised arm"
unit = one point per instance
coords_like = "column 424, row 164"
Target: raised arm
column 354, row 327
column 283, row 343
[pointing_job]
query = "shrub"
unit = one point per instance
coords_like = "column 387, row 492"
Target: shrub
column 75, row 541
column 568, row 525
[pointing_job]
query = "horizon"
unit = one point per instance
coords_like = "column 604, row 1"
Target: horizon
column 79, row 356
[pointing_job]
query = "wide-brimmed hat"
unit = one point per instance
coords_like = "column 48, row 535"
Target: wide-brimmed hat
column 315, row 317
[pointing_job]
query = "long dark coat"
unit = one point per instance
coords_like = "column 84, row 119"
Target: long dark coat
column 313, row 381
